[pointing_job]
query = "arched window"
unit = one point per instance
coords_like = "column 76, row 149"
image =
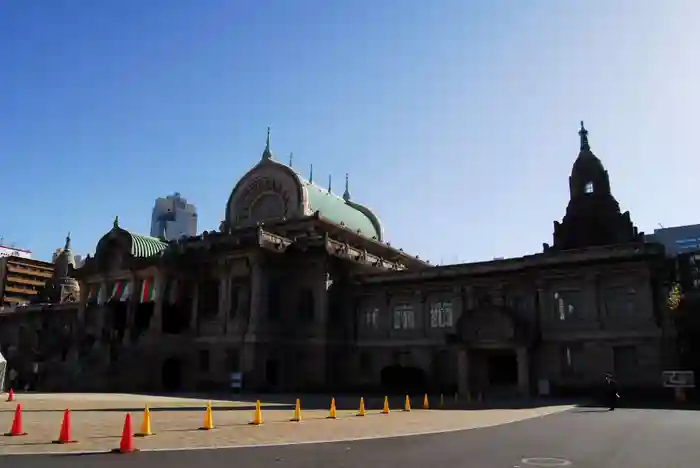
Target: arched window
column 588, row 188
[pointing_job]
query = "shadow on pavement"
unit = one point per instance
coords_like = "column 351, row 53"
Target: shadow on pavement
column 373, row 402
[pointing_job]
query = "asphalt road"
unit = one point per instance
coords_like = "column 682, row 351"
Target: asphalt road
column 581, row 438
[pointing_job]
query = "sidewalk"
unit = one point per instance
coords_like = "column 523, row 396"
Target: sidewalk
column 97, row 421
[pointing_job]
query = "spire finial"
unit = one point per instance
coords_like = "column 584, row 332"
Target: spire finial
column 329, row 183
column 291, row 159
column 583, row 133
column 346, row 195
column 67, row 246
column 311, row 173
column 267, row 154
column 116, row 222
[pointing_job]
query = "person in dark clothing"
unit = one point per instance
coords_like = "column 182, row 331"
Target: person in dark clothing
column 611, row 392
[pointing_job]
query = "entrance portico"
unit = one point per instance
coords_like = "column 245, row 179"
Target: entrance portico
column 493, row 353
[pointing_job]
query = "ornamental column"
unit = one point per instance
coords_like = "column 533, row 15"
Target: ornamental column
column 463, row 371
column 159, row 283
column 523, row 356
column 224, row 286
column 193, row 327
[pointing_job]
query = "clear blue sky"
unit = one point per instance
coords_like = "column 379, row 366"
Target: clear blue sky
column 456, row 119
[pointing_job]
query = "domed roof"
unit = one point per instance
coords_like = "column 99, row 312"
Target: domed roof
column 65, row 257
column 586, row 162
column 342, row 210
column 306, row 198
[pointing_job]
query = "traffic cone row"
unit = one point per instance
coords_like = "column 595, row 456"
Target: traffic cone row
column 126, row 444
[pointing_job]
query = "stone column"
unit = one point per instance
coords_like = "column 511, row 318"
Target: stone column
column 159, row 284
column 224, row 287
column 320, row 289
column 257, row 302
column 195, row 308
column 98, row 321
column 463, row 371
column 523, row 356
column 258, row 299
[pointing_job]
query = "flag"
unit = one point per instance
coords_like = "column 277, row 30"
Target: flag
column 148, row 291
column 92, row 293
column 120, row 291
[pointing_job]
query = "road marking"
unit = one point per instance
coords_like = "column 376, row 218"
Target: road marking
column 546, row 461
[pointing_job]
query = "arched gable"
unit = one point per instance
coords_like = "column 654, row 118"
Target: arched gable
column 270, row 190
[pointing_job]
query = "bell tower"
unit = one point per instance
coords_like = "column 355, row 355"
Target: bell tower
column 593, row 216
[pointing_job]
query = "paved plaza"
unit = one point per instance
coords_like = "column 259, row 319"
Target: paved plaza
column 97, row 421
column 576, row 438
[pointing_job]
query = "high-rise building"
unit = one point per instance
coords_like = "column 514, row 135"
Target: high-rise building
column 21, row 277
column 677, row 240
column 173, row 218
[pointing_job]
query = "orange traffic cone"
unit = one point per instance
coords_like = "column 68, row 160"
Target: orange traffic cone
column 208, row 419
column 16, row 429
column 127, row 443
column 362, row 411
column 11, row 395
column 297, row 412
column 257, row 415
column 64, row 435
column 332, row 414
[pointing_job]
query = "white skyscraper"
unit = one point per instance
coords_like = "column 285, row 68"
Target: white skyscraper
column 173, row 218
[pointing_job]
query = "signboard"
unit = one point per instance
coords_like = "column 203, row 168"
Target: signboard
column 12, row 252
column 679, row 379
column 236, row 380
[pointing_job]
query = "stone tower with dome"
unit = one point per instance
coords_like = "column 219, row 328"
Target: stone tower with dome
column 62, row 287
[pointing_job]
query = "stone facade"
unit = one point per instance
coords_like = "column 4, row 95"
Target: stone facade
column 298, row 291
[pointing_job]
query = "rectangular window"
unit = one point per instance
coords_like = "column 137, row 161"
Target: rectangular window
column 371, row 317
column 441, row 315
column 404, row 318
column 306, row 305
column 204, row 360
column 619, row 302
column 233, row 359
column 274, row 299
column 572, row 359
column 235, row 294
column 566, row 305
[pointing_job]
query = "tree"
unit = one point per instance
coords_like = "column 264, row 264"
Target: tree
column 685, row 312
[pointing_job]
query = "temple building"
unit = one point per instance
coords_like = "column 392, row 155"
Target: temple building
column 298, row 290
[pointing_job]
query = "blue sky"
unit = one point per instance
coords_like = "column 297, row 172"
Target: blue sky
column 457, row 120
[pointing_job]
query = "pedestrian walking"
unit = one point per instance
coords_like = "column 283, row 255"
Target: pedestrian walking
column 611, row 392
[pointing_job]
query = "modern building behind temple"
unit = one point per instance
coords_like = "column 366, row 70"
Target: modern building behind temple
column 299, row 290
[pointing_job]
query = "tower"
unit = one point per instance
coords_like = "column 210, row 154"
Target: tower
column 593, row 216
column 62, row 287
column 173, row 217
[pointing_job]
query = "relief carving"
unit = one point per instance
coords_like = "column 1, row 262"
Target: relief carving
column 267, row 196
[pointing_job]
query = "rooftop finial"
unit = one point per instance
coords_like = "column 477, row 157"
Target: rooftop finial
column 67, row 246
column 267, row 154
column 291, row 159
column 583, row 133
column 116, row 222
column 329, row 183
column 346, row 195
column 311, row 173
